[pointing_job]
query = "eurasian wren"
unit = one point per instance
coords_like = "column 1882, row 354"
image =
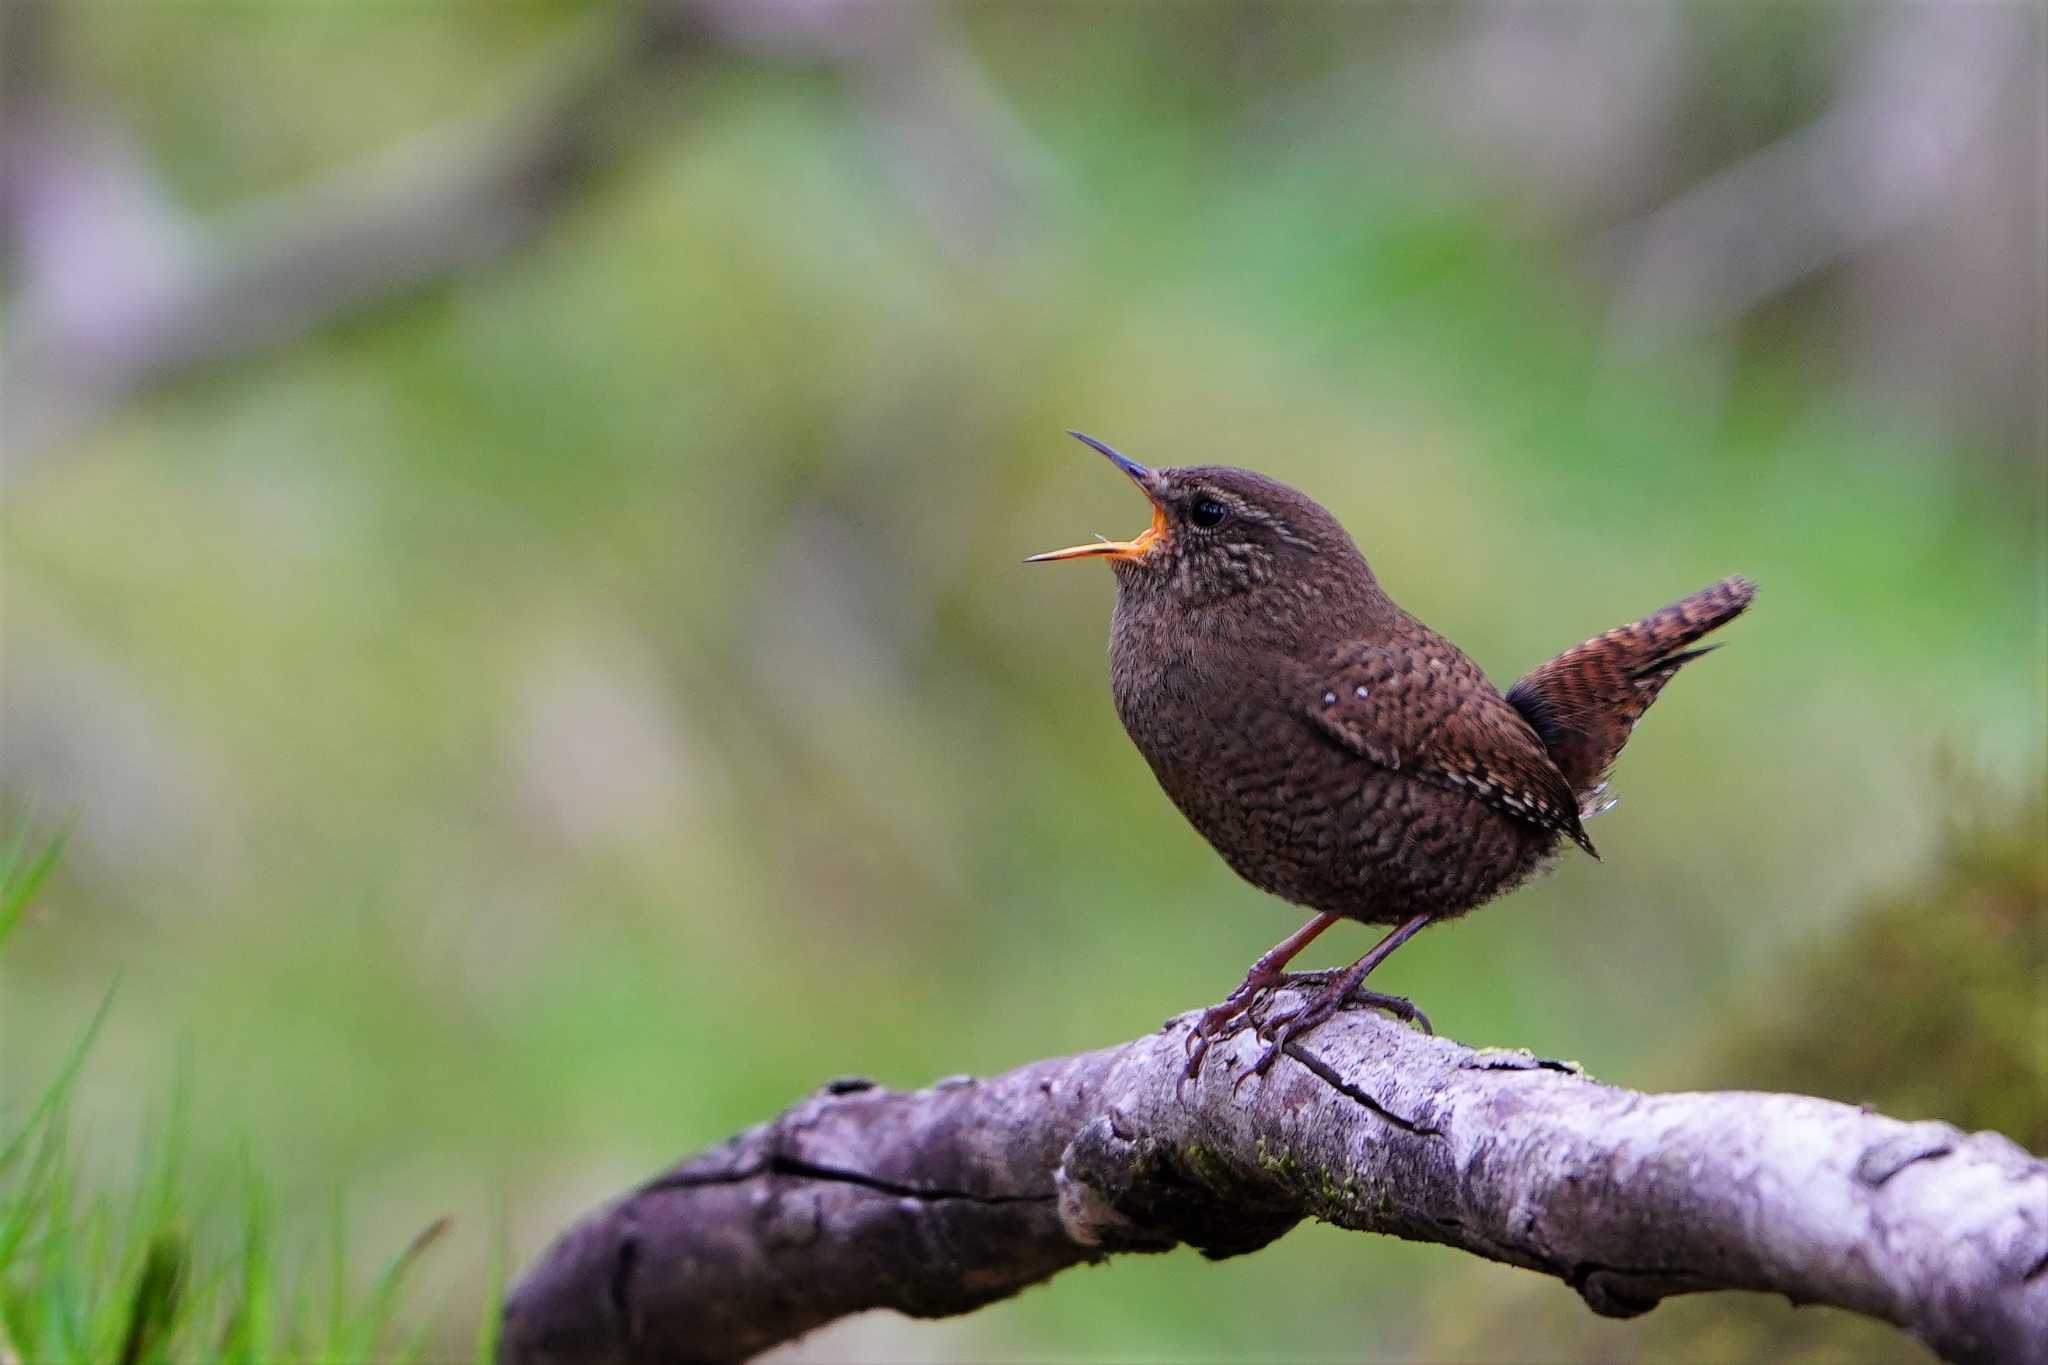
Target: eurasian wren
column 1336, row 751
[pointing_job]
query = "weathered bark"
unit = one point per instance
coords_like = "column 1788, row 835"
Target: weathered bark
column 937, row 1201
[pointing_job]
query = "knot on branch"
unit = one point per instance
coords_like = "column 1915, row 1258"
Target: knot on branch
column 1121, row 1190
column 1915, row 1142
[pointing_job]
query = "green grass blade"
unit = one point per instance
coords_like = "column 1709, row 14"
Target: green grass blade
column 374, row 1318
column 493, row 1311
column 18, row 884
column 154, row 1305
column 67, row 1075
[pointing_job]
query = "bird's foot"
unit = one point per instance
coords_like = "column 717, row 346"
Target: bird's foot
column 1400, row 1006
column 1319, row 1008
column 1225, row 1020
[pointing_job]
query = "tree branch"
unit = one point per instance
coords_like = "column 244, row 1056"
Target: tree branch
column 937, row 1201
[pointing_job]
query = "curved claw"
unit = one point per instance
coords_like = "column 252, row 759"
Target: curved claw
column 1198, row 1048
column 1204, row 1036
column 1400, row 1006
column 1298, row 1020
column 1258, row 1068
column 1404, row 1010
column 1221, row 1022
column 1283, row 1028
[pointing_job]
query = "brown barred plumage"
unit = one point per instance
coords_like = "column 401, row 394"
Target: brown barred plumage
column 1335, row 750
column 1586, row 701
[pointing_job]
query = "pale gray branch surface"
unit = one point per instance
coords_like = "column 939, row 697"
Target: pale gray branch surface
column 937, row 1201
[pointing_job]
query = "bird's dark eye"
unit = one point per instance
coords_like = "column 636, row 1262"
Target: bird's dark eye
column 1208, row 513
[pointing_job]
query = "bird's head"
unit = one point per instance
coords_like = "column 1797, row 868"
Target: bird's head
column 1218, row 532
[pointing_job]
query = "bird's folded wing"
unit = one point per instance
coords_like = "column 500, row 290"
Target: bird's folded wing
column 1439, row 720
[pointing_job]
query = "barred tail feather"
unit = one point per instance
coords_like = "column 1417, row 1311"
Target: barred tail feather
column 1585, row 702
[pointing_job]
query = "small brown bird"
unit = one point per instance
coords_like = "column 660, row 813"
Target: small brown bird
column 1336, row 751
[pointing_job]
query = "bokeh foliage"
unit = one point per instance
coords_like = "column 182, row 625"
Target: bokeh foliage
column 535, row 728
column 1943, row 978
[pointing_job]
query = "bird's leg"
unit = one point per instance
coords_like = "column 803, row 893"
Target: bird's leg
column 1333, row 997
column 1266, row 973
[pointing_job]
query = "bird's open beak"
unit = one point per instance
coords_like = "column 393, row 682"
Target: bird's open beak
column 1137, row 546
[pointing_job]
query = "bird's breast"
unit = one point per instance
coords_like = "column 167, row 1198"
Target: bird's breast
column 1215, row 720
column 1171, row 680
column 1221, row 721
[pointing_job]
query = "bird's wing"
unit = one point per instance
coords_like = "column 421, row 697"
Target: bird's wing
column 1439, row 720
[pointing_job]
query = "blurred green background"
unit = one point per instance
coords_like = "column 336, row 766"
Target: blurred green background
column 511, row 535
